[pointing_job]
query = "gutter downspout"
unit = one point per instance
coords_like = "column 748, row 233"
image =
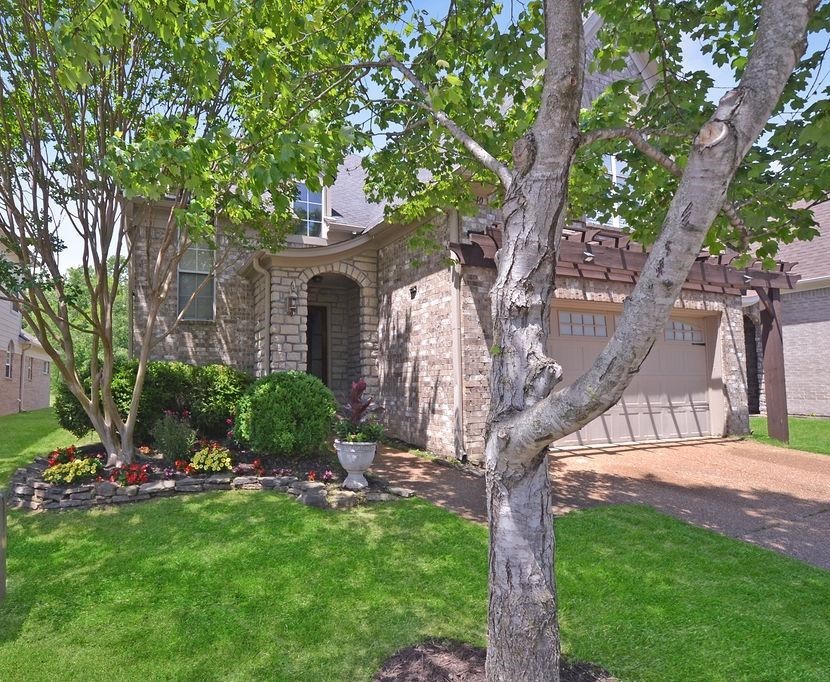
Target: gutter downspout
column 454, row 228
column 267, row 340
column 23, row 348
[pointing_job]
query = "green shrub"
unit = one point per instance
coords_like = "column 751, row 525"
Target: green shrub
column 216, row 392
column 285, row 413
column 74, row 471
column 69, row 412
column 173, row 436
column 167, row 386
column 213, row 458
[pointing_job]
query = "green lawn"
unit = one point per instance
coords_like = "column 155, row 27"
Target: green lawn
column 28, row 435
column 806, row 433
column 253, row 586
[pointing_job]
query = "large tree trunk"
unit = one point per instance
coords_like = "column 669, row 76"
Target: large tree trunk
column 523, row 627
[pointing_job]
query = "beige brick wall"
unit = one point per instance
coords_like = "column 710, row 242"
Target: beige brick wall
column 35, row 393
column 806, row 326
column 415, row 344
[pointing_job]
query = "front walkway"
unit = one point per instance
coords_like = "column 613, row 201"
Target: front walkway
column 770, row 496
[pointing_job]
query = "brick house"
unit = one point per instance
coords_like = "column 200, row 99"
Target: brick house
column 805, row 322
column 349, row 298
column 25, row 382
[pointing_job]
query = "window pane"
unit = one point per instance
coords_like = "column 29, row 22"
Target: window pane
column 189, row 261
column 565, row 317
column 315, row 229
column 205, row 261
column 565, row 329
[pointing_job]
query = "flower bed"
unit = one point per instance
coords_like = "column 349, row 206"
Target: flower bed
column 311, row 481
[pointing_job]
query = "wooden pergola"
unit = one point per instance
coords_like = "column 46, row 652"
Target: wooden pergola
column 603, row 253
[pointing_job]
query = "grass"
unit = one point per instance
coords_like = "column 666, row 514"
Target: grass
column 29, row 435
column 252, row 586
column 806, row 433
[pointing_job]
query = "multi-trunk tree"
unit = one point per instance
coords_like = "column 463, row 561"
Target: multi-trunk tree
column 108, row 109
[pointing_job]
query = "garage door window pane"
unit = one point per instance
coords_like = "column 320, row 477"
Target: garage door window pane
column 683, row 331
column 582, row 324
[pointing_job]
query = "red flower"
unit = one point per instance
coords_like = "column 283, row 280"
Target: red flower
column 312, row 475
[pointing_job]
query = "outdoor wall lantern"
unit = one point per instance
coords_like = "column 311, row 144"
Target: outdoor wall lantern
column 291, row 301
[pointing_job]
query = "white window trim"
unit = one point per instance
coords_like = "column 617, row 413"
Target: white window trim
column 30, row 370
column 322, row 240
column 8, row 368
column 211, row 273
column 674, row 327
column 46, row 368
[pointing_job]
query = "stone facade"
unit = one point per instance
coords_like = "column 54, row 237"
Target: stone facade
column 228, row 338
column 348, row 289
column 417, row 326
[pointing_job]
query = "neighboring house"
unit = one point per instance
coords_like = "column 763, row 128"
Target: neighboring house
column 25, row 379
column 805, row 324
column 349, row 298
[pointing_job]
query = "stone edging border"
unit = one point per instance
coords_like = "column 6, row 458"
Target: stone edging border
column 29, row 491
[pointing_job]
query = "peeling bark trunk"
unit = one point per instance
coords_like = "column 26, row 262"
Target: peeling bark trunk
column 523, row 626
column 524, row 415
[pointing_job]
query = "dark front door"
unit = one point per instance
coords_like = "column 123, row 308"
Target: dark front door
column 317, row 335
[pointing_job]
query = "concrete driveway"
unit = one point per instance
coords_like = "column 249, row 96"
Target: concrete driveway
column 770, row 496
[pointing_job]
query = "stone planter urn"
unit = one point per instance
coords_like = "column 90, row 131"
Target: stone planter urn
column 355, row 458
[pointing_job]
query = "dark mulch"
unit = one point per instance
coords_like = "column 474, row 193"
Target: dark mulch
column 448, row 661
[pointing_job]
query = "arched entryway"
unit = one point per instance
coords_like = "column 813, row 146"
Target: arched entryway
column 333, row 339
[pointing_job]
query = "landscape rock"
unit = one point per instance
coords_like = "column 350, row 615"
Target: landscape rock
column 342, row 499
column 219, row 479
column 105, row 489
column 240, row 481
column 189, row 485
column 400, row 492
column 314, row 497
column 156, row 486
column 267, row 482
column 380, row 497
column 304, row 486
column 23, row 490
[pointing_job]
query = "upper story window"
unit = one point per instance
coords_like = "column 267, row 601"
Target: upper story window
column 7, row 369
column 618, row 171
column 683, row 331
column 195, row 270
column 582, row 324
column 308, row 207
column 45, row 370
column 15, row 307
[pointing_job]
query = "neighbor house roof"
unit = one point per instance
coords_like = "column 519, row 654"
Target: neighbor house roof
column 812, row 257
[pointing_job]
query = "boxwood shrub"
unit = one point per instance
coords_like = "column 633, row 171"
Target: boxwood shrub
column 286, row 413
column 209, row 393
column 216, row 391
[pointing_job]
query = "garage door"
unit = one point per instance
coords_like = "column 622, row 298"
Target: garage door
column 669, row 397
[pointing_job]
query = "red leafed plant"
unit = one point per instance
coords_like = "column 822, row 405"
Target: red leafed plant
column 358, row 406
column 132, row 474
column 62, row 455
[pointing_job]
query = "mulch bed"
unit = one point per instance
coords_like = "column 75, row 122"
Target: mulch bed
column 448, row 661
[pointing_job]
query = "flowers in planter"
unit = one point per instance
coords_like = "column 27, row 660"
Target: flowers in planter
column 73, row 470
column 131, row 474
column 212, row 457
column 183, row 466
column 359, row 424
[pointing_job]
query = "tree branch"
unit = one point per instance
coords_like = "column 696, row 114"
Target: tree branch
column 481, row 155
column 639, row 140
